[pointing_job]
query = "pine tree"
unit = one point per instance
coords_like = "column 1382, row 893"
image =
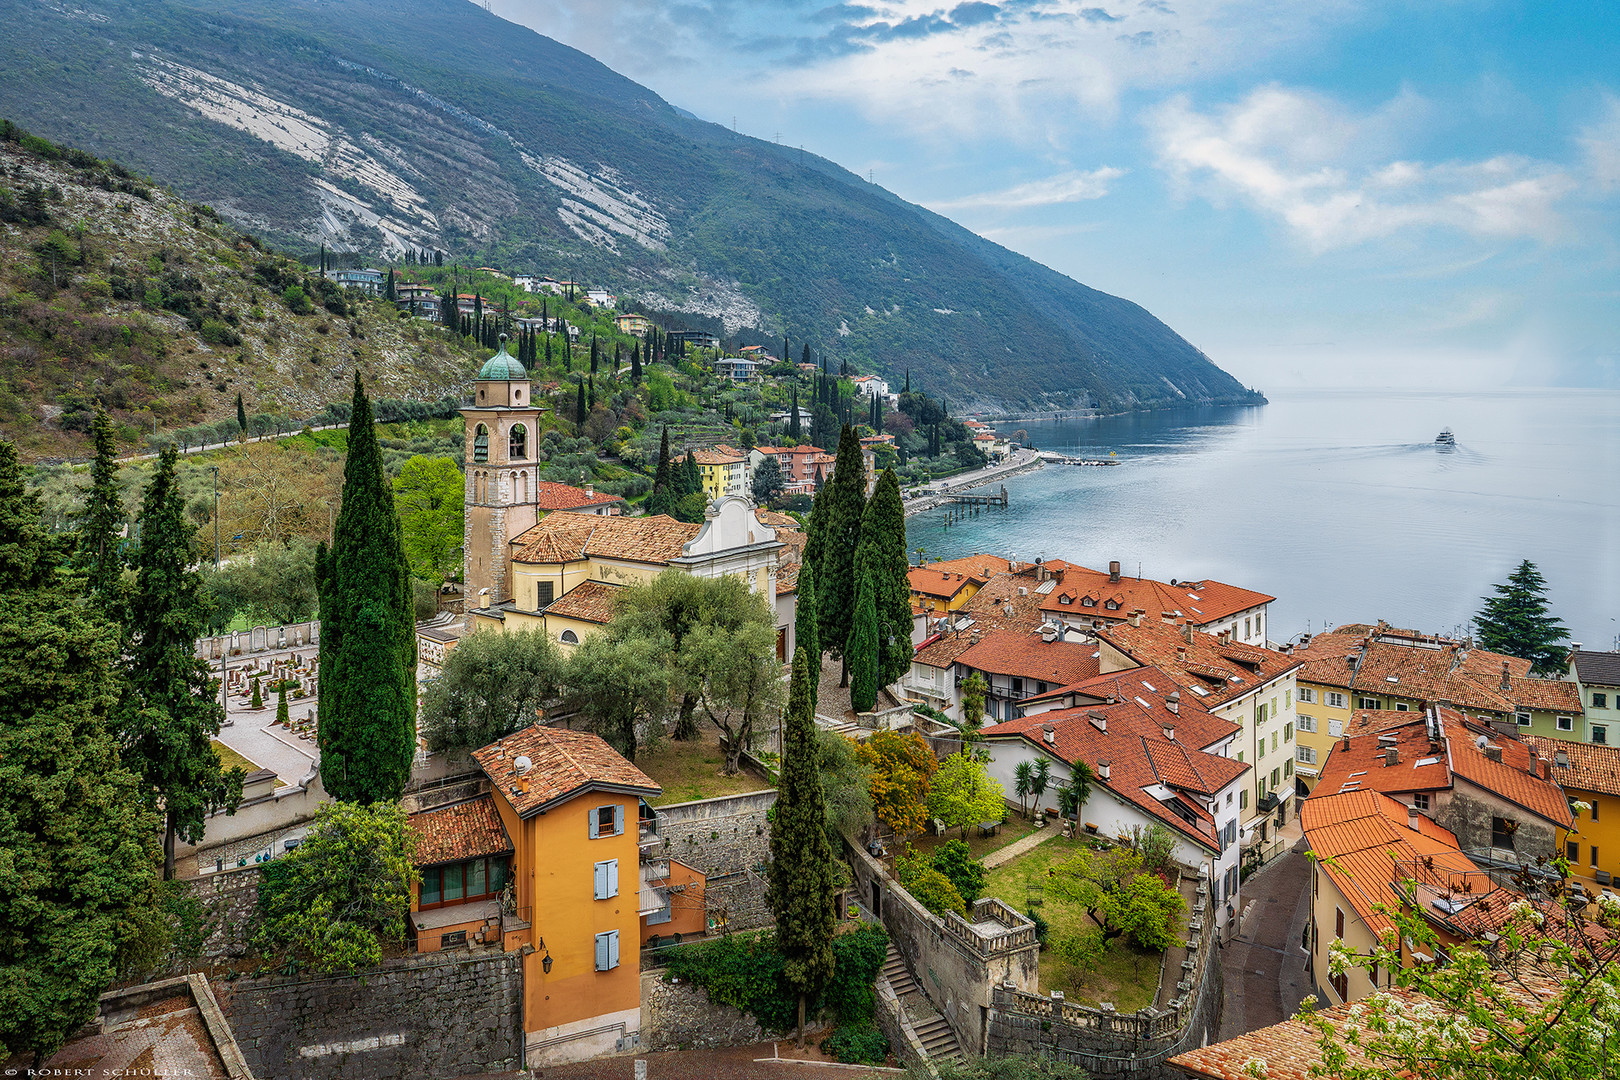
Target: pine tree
column 881, row 557
column 800, row 891
column 805, row 634
column 835, row 564
column 863, row 656
column 171, row 709
column 1516, row 621
column 241, row 415
column 77, row 832
column 579, row 406
column 635, row 364
column 368, row 633
column 104, row 519
column 282, row 715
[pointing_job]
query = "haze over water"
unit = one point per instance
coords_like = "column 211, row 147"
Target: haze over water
column 1336, row 502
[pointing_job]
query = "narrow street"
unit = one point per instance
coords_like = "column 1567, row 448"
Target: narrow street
column 1264, row 963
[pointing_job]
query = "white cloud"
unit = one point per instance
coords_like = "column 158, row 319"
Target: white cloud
column 1069, row 187
column 1325, row 171
column 1601, row 143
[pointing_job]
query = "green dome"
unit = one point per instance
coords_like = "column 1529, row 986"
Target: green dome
column 503, row 366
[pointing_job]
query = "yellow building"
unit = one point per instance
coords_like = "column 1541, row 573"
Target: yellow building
column 632, row 324
column 1590, row 774
column 938, row 587
column 724, row 471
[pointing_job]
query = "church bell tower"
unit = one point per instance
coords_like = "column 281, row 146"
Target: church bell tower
column 502, row 432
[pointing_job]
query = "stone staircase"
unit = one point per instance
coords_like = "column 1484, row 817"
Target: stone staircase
column 938, row 1040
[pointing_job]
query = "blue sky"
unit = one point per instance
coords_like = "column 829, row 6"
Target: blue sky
column 1314, row 192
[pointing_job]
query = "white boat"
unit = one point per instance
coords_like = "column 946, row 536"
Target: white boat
column 1445, row 438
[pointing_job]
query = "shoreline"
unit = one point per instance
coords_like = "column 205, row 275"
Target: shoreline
column 933, row 500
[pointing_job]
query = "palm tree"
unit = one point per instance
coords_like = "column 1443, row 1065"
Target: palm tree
column 1023, row 783
column 1073, row 797
column 1042, row 775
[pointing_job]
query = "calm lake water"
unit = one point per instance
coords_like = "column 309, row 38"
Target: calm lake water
column 1337, row 503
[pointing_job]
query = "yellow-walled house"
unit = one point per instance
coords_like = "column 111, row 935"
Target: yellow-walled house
column 724, row 471
column 1590, row 774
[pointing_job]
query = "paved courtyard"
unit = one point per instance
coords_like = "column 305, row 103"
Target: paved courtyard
column 249, row 731
column 1264, row 963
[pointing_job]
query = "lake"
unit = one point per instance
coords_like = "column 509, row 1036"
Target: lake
column 1336, row 502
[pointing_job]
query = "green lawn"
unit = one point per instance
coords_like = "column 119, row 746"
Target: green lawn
column 691, row 770
column 1125, row 975
column 229, row 759
column 1016, row 828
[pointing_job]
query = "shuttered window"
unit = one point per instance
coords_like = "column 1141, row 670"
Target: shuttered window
column 607, row 951
column 607, row 879
column 607, row 821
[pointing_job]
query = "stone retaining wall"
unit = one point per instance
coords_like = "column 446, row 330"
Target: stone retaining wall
column 680, row 1016
column 439, row 1014
column 728, row 839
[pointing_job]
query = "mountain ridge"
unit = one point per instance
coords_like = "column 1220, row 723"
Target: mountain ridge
column 435, row 124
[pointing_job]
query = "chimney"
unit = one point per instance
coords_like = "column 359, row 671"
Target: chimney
column 483, row 598
column 1113, row 571
column 1173, row 702
column 1574, row 647
column 1506, row 682
column 1134, row 618
column 1170, row 733
column 1345, row 745
column 1098, row 720
column 1412, row 816
column 1493, row 752
column 1049, row 734
column 590, row 491
column 1102, row 770
column 1186, row 632
column 1181, row 654
column 1534, row 766
column 1392, row 756
column 1167, row 616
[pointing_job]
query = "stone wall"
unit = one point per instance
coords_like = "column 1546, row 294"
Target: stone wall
column 729, row 840
column 680, row 1016
column 230, row 901
column 1470, row 819
column 259, row 638
column 439, row 1014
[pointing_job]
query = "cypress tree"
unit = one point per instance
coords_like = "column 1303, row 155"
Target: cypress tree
column 77, row 829
column 786, row 355
column 881, row 557
column 863, row 643
column 662, row 499
column 368, row 633
column 805, row 634
column 691, row 476
column 171, row 708
column 835, row 567
column 241, row 415
column 795, row 431
column 594, row 354
column 548, row 350
column 907, row 390
column 591, row 404
column 104, row 516
column 281, row 703
column 388, row 289
column 635, row 364
column 258, row 698
column 579, row 406
column 805, row 358
column 800, row 891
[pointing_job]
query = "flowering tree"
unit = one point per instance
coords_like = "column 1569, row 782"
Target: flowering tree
column 1536, row 999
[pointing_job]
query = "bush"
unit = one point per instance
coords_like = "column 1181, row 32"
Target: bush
column 297, row 300
column 857, row 1044
column 1043, row 929
column 930, row 888
column 217, row 333
column 1083, row 948
column 956, row 862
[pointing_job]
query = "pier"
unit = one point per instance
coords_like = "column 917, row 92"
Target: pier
column 978, row 500
column 1060, row 459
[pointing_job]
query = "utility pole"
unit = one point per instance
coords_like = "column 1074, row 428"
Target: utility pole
column 215, row 470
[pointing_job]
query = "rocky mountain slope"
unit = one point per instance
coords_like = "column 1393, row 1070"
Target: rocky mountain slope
column 393, row 125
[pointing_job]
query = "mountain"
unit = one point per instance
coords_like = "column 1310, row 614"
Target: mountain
column 432, row 124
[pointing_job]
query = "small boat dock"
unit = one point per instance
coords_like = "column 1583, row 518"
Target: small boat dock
column 1052, row 458
column 978, row 500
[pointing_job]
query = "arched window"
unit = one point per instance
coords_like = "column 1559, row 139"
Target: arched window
column 517, row 443
column 569, row 638
column 521, row 494
column 481, row 444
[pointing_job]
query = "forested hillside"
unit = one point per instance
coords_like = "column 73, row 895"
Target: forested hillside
column 432, row 124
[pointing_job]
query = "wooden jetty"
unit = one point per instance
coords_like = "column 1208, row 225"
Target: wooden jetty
column 979, row 500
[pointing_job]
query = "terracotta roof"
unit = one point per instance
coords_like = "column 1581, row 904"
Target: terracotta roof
column 775, row 520
column 564, row 764
column 591, row 601
column 1550, row 695
column 996, row 606
column 1199, row 602
column 1366, row 833
column 1140, row 754
column 1288, row 1050
column 550, row 495
column 1363, row 721
column 787, row 577
column 926, row 581
column 1597, row 668
column 718, row 455
column 1383, row 660
column 983, row 567
column 1430, row 765
column 463, row 830
column 1589, row 767
column 1025, row 655
column 1212, row 670
column 568, row 537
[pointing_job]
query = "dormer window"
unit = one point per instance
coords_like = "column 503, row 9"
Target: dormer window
column 1112, row 605
column 481, row 441
column 1065, row 599
column 1086, row 601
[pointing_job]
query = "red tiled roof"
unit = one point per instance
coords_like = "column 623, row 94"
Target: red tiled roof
column 1200, row 602
column 983, row 567
column 564, row 764
column 996, row 606
column 463, row 830
column 718, row 455
column 590, row 601
column 1026, row 656
column 1364, row 766
column 1288, row 1050
column 1212, row 670
column 1590, row 767
column 550, row 495
column 927, row 581
column 1140, row 754
column 1360, row 831
column 567, row 537
column 1509, row 778
column 775, row 520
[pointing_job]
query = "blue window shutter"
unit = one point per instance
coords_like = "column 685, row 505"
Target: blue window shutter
column 601, row 952
column 595, row 831
column 613, row 948
column 613, row 877
column 618, row 819
column 602, row 881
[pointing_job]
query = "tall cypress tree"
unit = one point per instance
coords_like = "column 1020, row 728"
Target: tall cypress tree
column 835, row 567
column 171, row 709
column 863, row 642
column 591, row 401
column 800, row 891
column 388, row 290
column 241, row 415
column 368, row 633
column 691, row 477
column 805, row 634
column 635, row 364
column 786, row 355
column 907, row 390
column 662, row 499
column 548, row 351
column 104, row 518
column 881, row 557
column 77, row 831
column 594, row 354
column 795, row 431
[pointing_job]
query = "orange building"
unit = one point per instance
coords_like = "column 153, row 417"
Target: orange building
column 559, row 861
